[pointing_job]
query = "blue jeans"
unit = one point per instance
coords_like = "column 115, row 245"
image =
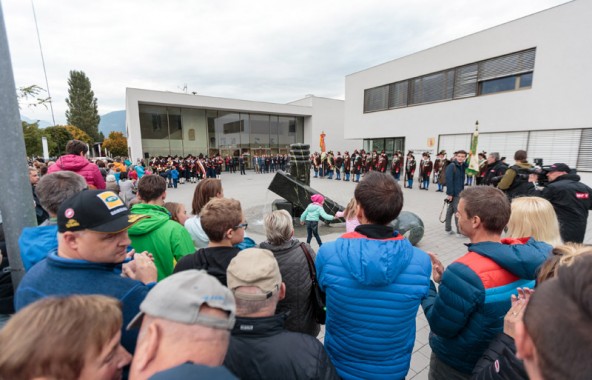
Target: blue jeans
column 410, row 183
column 338, row 174
column 358, row 177
column 312, row 228
column 175, row 181
column 426, row 183
column 347, row 176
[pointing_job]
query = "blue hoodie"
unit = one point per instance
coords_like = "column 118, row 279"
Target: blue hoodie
column 467, row 311
column 374, row 288
column 35, row 243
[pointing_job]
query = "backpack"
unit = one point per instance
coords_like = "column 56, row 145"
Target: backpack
column 442, row 175
column 520, row 184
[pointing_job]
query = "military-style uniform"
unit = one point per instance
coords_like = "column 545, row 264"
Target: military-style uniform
column 410, row 170
column 346, row 165
column 396, row 166
column 426, row 166
column 338, row 165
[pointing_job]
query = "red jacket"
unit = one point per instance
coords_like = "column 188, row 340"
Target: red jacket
column 79, row 165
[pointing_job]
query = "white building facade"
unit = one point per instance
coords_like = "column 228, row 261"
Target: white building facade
column 527, row 82
column 165, row 123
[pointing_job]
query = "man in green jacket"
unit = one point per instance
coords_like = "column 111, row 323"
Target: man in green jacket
column 166, row 239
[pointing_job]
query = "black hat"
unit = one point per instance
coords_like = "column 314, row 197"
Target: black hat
column 442, row 153
column 95, row 210
column 559, row 168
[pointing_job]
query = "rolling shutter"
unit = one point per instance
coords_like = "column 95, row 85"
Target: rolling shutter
column 465, row 83
column 555, row 146
column 398, row 94
column 506, row 143
column 585, row 151
column 511, row 64
column 375, row 99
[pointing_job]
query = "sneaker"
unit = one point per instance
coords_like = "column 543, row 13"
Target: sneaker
column 449, row 232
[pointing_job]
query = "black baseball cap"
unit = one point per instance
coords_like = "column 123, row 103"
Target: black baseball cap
column 559, row 168
column 95, row 210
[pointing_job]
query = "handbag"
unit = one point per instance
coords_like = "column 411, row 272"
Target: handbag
column 317, row 296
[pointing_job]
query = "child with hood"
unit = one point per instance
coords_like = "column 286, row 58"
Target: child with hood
column 311, row 216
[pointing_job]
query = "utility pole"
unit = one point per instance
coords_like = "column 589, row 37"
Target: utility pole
column 16, row 203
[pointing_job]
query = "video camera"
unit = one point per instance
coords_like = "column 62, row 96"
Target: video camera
column 541, row 171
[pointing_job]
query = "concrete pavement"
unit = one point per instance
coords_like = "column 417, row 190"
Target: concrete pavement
column 251, row 190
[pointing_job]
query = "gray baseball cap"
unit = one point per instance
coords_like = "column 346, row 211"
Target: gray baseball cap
column 179, row 297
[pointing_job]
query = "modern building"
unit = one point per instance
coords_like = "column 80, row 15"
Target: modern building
column 165, row 123
column 527, row 82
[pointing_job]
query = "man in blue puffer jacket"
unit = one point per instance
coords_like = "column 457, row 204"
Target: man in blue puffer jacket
column 467, row 311
column 374, row 280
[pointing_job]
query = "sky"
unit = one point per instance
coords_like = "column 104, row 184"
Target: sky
column 263, row 50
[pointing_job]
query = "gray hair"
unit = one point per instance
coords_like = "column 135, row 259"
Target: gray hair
column 55, row 188
column 110, row 178
column 249, row 307
column 278, row 227
column 495, row 155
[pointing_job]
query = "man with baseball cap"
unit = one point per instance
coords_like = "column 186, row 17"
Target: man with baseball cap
column 92, row 246
column 260, row 348
column 185, row 328
column 570, row 198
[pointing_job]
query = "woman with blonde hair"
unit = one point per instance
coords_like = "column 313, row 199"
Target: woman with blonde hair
column 75, row 337
column 289, row 253
column 534, row 217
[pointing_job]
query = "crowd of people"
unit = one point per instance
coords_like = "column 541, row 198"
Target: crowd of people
column 138, row 289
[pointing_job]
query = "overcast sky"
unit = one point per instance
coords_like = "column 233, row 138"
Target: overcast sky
column 275, row 51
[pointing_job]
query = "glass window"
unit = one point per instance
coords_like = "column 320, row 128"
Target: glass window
column 259, row 131
column 498, row 85
column 273, row 131
column 175, row 123
column 228, row 128
column 153, row 122
column 245, row 130
column 286, row 131
column 526, row 80
column 378, row 145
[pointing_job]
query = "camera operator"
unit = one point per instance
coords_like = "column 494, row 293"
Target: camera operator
column 570, row 198
column 515, row 180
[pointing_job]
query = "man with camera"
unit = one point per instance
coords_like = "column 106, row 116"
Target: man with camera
column 570, row 198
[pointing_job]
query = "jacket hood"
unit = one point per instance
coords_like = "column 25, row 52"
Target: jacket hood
column 72, row 162
column 573, row 177
column 282, row 248
column 521, row 257
column 374, row 262
column 158, row 216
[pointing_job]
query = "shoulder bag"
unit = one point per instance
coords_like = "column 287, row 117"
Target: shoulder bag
column 317, row 296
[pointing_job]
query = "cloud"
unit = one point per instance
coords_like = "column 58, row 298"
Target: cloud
column 274, row 51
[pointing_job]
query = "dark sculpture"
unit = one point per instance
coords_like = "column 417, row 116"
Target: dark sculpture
column 298, row 194
column 409, row 225
column 295, row 189
column 299, row 164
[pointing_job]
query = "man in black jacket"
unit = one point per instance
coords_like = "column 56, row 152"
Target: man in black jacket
column 260, row 348
column 570, row 198
column 495, row 169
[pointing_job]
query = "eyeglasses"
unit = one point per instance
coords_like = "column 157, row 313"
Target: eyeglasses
column 242, row 225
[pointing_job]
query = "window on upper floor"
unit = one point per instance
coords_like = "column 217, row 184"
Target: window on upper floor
column 499, row 74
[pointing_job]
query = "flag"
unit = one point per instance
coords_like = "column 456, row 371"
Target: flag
column 322, row 142
column 473, row 168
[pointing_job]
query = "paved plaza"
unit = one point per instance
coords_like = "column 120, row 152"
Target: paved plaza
column 251, row 190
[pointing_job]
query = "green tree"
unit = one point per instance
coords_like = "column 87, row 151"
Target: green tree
column 57, row 137
column 116, row 143
column 82, row 105
column 32, row 135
